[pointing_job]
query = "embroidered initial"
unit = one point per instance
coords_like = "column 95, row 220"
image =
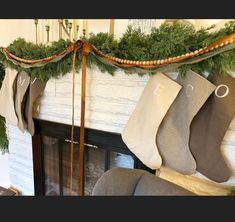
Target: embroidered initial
column 225, row 94
column 20, row 81
column 189, row 87
column 158, row 90
column 32, row 82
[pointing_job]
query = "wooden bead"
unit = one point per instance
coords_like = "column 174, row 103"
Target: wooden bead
column 148, row 63
column 231, row 41
column 196, row 52
column 137, row 62
column 170, row 59
column 222, row 44
column 144, row 62
column 212, row 48
column 217, row 46
column 151, row 62
column 226, row 43
column 155, row 62
column 191, row 54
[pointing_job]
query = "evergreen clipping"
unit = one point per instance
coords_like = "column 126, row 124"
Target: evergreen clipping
column 3, row 135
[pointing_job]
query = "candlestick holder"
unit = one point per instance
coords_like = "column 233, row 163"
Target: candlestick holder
column 70, row 27
column 47, row 30
column 84, row 32
column 66, row 24
column 60, row 27
column 36, row 29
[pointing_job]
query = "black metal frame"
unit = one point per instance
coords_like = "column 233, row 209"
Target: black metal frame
column 102, row 139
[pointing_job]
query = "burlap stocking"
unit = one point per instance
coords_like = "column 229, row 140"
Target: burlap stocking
column 22, row 85
column 36, row 88
column 173, row 134
column 209, row 127
column 140, row 131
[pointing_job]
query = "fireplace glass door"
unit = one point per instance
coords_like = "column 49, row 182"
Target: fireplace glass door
column 56, row 165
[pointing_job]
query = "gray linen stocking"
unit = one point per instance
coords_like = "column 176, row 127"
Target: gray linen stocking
column 7, row 96
column 209, row 127
column 36, row 88
column 140, row 131
column 173, row 135
column 22, row 85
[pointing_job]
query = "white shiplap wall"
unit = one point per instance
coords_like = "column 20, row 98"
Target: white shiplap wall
column 109, row 100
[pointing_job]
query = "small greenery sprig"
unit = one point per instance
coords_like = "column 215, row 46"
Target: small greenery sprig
column 232, row 192
column 3, row 135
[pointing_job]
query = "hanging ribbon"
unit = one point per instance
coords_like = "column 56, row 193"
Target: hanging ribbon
column 72, row 127
column 85, row 52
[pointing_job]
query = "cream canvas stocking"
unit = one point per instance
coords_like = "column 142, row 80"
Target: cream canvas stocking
column 22, row 84
column 7, row 96
column 140, row 131
column 173, row 134
column 209, row 127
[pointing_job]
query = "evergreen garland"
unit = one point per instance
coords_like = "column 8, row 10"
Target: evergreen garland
column 169, row 40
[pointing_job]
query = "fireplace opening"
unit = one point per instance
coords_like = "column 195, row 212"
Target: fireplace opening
column 51, row 158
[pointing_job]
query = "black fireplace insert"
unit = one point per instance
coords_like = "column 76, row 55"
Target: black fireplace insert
column 51, row 157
